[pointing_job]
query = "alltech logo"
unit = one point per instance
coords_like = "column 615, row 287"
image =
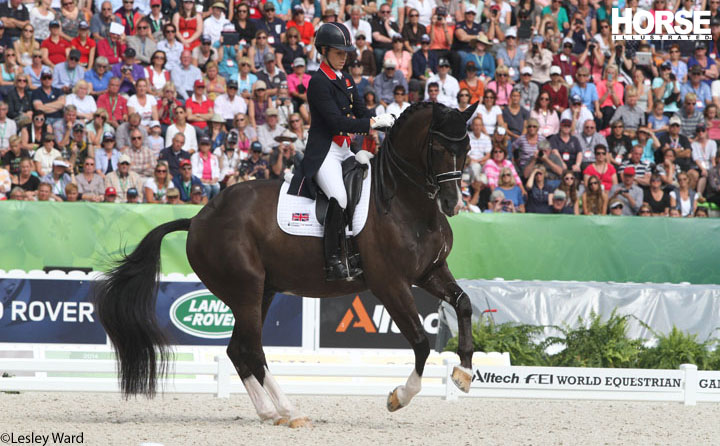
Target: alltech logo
column 360, row 321
column 660, row 25
column 357, row 317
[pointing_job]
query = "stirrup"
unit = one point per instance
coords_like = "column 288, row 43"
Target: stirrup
column 335, row 269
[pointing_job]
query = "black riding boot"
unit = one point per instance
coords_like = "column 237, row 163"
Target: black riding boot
column 335, row 265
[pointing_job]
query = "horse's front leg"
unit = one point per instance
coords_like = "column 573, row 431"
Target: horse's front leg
column 400, row 304
column 440, row 283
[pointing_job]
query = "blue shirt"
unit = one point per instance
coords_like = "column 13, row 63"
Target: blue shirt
column 702, row 92
column 98, row 84
column 588, row 94
column 185, row 192
column 485, row 65
column 35, row 80
column 184, row 79
column 514, row 195
column 101, row 160
column 281, row 6
column 710, row 62
column 420, row 63
column 65, row 77
column 40, row 95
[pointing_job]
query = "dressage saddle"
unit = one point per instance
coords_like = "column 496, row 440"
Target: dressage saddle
column 353, row 174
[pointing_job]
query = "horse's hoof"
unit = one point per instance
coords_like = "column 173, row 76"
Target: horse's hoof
column 393, row 403
column 462, row 378
column 300, row 422
column 282, row 421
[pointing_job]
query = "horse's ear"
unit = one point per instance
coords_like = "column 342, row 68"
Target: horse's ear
column 467, row 114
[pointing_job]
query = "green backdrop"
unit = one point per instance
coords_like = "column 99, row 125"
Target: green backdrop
column 528, row 247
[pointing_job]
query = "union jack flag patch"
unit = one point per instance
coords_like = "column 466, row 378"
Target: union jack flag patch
column 300, row 216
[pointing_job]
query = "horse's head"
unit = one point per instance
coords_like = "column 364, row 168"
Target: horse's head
column 449, row 145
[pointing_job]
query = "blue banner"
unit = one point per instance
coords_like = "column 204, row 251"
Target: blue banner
column 59, row 311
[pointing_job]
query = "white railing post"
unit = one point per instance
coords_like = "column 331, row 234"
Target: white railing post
column 691, row 384
column 223, row 376
column 451, row 392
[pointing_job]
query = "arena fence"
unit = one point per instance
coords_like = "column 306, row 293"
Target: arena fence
column 686, row 385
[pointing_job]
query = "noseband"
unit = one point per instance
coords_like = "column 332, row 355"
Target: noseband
column 431, row 186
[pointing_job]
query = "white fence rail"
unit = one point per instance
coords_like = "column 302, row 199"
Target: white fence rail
column 218, row 377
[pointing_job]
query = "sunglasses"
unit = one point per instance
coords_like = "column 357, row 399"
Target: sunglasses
column 497, row 151
column 414, row 15
column 593, row 183
column 36, row 55
column 136, row 138
column 506, row 175
column 187, row 168
column 22, row 80
column 39, row 119
column 463, row 95
column 143, row 27
column 569, row 178
column 600, row 153
column 161, row 171
column 89, row 164
column 261, row 37
column 544, row 99
column 294, row 120
column 532, row 126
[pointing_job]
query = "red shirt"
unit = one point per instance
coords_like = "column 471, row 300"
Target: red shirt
column 113, row 53
column 56, row 51
column 307, row 31
column 203, row 106
column 84, row 49
column 116, row 108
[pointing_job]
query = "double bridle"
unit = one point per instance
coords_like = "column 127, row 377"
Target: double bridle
column 431, row 186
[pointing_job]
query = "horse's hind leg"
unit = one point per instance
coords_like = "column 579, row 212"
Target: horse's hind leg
column 245, row 350
column 400, row 304
column 441, row 284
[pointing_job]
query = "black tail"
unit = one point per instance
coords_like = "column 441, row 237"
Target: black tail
column 125, row 305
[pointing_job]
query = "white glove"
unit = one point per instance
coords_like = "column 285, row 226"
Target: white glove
column 364, row 157
column 386, row 120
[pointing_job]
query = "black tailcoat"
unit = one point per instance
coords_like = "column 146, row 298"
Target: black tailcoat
column 336, row 109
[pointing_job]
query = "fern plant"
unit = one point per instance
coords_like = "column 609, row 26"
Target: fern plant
column 677, row 348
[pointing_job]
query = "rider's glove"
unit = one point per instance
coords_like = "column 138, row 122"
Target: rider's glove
column 364, row 157
column 386, row 120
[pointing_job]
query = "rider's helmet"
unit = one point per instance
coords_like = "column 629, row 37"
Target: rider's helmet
column 335, row 35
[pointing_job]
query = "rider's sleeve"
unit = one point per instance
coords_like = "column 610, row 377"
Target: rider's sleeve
column 322, row 98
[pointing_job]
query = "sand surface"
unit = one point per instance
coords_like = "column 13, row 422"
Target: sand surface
column 178, row 420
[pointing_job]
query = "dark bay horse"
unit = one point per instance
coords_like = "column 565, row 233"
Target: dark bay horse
column 238, row 251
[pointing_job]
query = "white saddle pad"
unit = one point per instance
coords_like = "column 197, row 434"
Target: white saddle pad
column 296, row 215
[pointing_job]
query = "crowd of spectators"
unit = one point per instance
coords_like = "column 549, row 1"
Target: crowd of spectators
column 164, row 101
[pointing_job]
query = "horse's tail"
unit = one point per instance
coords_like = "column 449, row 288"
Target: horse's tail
column 125, row 305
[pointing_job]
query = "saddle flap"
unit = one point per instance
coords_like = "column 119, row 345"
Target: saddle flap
column 353, row 175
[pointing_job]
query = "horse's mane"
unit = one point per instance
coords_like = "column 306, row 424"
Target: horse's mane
column 416, row 106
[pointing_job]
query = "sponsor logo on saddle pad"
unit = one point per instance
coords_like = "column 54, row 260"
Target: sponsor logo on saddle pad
column 201, row 314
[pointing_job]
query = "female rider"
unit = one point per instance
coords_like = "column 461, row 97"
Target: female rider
column 337, row 110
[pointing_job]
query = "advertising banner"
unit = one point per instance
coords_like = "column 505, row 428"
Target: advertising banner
column 34, row 310
column 361, row 321
column 48, row 311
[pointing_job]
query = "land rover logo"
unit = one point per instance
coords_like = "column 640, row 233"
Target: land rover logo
column 201, row 314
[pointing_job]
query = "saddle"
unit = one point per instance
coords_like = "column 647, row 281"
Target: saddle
column 353, row 173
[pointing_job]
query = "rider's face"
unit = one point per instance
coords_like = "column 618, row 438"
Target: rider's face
column 336, row 58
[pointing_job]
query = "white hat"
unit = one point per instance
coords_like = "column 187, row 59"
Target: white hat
column 568, row 40
column 526, row 70
column 116, row 28
column 124, row 159
column 511, row 32
column 389, row 63
column 501, row 130
column 154, row 124
column 555, row 70
column 60, row 162
column 470, row 8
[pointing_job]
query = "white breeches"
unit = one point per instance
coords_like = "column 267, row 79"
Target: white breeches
column 329, row 176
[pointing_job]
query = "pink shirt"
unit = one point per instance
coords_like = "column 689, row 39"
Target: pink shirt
column 713, row 128
column 602, row 88
column 293, row 81
column 492, row 171
column 403, row 64
column 502, row 94
column 207, row 168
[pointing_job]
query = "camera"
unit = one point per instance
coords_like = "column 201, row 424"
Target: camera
column 625, row 191
column 672, row 76
column 578, row 22
column 592, row 47
column 232, row 138
column 494, row 12
column 126, row 69
column 540, row 154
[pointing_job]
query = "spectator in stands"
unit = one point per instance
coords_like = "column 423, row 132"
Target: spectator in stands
column 501, row 86
column 141, row 157
column 628, row 193
column 214, row 24
column 586, row 89
column 679, row 143
column 602, row 169
column 185, row 75
column 399, row 103
column 244, row 26
column 97, row 127
column 448, row 86
column 142, row 42
column 298, row 82
column 172, row 47
column 71, row 192
column 548, row 157
column 246, row 79
column 529, row 91
column 480, row 143
column 712, row 191
column 181, row 126
column 33, row 135
column 617, row 208
column 641, row 169
column 629, row 113
column 156, row 73
column 44, row 193
column 156, row 188
column 80, row 99
column 383, row 28
column 557, row 90
column 230, row 104
column 124, row 178
column 63, row 127
column 99, row 77
column 206, row 166
column 566, row 61
column 568, row 146
column 175, row 153
column 25, row 179
column 569, row 186
column 110, row 195
column 511, row 191
column 11, row 158
column 113, row 103
column 185, row 180
column 385, row 83
column 545, row 115
column 579, row 114
column 290, row 50
column 18, row 98
column 45, row 156
column 539, row 59
column 358, row 26
column 128, row 72
column 594, row 199
column 106, row 158
column 40, row 17
column 484, row 62
column 122, row 135
column 48, row 99
column 424, row 65
column 85, row 44
column 465, row 31
column 271, row 75
column 101, row 20
column 189, row 25
column 269, row 131
column 58, row 178
column 538, row 191
column 204, row 54
column 8, row 128
column 619, row 144
column 306, row 29
column 77, row 149
column 657, row 198
column 112, row 47
column 690, row 116
column 684, row 199
column 274, row 27
column 54, row 47
column 199, row 108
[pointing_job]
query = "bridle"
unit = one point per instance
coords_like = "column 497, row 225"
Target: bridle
column 390, row 159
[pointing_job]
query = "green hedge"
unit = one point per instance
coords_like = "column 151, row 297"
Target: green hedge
column 593, row 343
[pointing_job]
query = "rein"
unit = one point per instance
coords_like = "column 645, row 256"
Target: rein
column 389, row 159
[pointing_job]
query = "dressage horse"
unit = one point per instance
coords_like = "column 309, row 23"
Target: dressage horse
column 236, row 248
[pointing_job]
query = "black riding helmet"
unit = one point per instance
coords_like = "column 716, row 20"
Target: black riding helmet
column 335, row 35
